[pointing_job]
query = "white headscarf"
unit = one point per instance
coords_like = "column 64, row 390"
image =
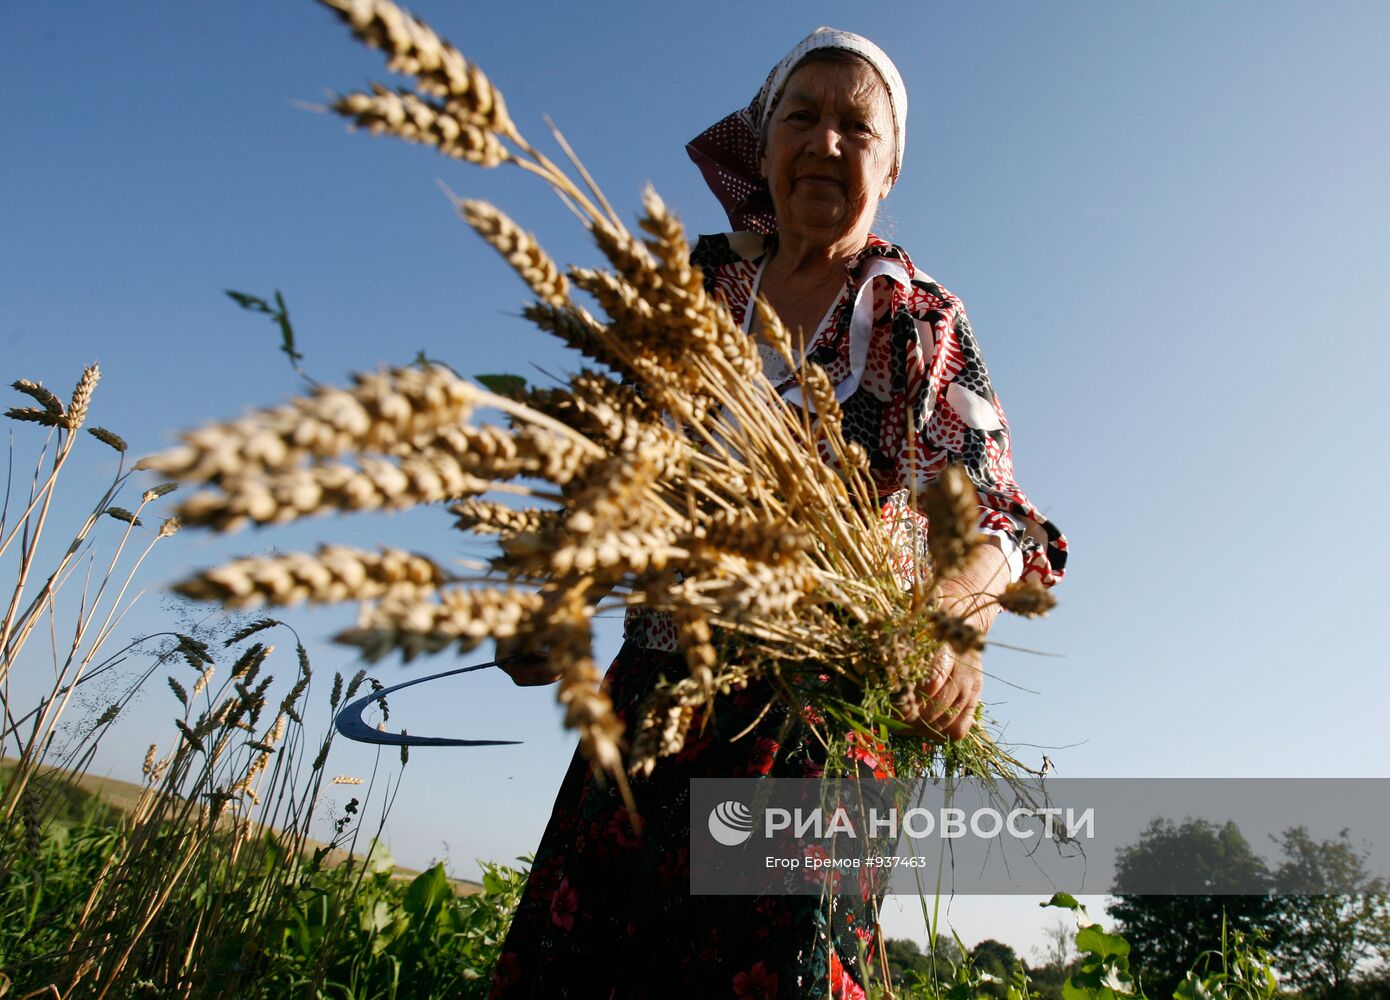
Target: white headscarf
column 831, row 38
column 727, row 151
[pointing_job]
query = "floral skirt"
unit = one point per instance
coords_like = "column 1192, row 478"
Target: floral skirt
column 608, row 913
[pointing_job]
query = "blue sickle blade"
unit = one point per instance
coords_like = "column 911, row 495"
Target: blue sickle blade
column 349, row 721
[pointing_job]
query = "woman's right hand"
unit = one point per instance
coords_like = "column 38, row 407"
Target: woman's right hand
column 945, row 704
column 526, row 669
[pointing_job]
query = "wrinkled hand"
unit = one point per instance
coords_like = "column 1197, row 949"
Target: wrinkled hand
column 945, row 704
column 526, row 669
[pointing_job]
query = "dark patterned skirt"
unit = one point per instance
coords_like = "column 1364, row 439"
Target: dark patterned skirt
column 608, row 913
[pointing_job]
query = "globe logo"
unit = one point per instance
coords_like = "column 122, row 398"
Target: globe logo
column 730, row 823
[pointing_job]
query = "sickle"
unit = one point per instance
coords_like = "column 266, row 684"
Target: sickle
column 349, row 721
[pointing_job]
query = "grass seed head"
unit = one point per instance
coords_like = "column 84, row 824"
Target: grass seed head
column 204, row 678
column 179, row 691
column 576, row 328
column 415, row 119
column 334, row 573
column 490, row 518
column 953, row 509
column 288, row 703
column 413, row 49
column 189, row 735
column 121, row 514
column 956, row 632
column 42, row 395
column 109, row 715
column 1027, row 598
column 669, row 245
column 34, row 416
column 322, row 757
column 519, row 249
column 81, row 400
column 108, row 438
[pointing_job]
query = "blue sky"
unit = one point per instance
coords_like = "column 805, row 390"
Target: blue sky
column 1167, row 221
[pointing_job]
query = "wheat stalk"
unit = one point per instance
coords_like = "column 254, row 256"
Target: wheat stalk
column 680, row 455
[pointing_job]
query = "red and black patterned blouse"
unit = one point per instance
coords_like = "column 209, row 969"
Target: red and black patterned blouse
column 901, row 353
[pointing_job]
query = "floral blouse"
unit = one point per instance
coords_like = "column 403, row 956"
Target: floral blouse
column 898, row 348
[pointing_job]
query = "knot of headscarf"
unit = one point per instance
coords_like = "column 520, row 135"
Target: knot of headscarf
column 727, row 152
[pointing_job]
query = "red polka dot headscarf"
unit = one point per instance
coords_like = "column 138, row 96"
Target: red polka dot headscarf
column 727, row 152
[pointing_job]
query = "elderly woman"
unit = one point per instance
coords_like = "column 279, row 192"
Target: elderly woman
column 607, row 911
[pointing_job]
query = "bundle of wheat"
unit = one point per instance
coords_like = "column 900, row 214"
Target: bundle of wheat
column 672, row 476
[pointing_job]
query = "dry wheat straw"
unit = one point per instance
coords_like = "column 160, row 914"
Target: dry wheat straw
column 381, row 410
column 519, row 249
column 413, row 49
column 333, row 574
column 679, row 456
column 402, row 114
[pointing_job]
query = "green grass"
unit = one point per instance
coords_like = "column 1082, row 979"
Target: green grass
column 85, row 797
column 361, row 929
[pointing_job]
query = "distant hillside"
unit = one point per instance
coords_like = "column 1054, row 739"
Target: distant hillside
column 90, row 791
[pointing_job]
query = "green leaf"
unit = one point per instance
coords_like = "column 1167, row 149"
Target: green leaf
column 1073, row 989
column 379, row 859
column 252, row 302
column 280, row 315
column 282, row 319
column 1064, row 900
column 1191, row 988
column 510, row 386
column 493, row 884
column 1097, row 942
column 384, row 925
column 426, row 893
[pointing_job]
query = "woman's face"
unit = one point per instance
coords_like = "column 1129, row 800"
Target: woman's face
column 829, row 154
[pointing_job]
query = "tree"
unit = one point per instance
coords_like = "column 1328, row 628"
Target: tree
column 993, row 956
column 1169, row 932
column 997, row 959
column 1331, row 916
column 905, row 957
column 1054, row 961
column 1059, row 948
